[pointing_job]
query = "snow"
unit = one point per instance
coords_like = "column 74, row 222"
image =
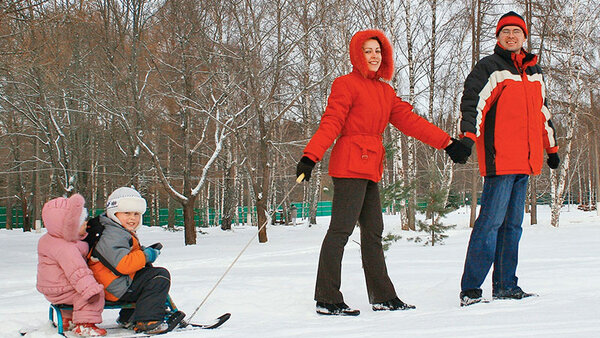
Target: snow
column 269, row 291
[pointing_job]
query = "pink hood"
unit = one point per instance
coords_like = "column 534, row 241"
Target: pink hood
column 62, row 217
column 62, row 268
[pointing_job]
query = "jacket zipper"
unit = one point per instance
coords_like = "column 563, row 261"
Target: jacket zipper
column 523, row 80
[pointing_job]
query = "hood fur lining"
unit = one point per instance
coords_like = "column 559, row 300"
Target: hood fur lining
column 386, row 69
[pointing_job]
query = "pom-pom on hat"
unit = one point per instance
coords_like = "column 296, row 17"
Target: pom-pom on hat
column 511, row 19
column 124, row 199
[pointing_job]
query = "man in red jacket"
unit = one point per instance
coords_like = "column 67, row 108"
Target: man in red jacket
column 504, row 113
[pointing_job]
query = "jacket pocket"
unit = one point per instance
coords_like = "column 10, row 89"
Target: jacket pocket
column 366, row 155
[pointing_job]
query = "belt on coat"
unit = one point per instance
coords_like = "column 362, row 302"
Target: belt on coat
column 365, row 154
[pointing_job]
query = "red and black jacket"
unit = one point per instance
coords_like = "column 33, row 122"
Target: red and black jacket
column 504, row 111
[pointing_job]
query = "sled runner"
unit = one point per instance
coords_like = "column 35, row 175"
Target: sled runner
column 170, row 307
column 55, row 308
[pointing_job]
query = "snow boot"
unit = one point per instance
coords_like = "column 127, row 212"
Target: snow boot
column 68, row 324
column 516, row 293
column 174, row 319
column 151, row 327
column 124, row 319
column 339, row 309
column 88, row 330
column 392, row 305
column 472, row 296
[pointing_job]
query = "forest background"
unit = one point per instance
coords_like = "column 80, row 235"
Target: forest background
column 205, row 106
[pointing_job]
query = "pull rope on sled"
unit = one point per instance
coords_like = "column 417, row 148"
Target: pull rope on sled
column 298, row 180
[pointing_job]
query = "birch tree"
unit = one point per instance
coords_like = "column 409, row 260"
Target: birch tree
column 573, row 33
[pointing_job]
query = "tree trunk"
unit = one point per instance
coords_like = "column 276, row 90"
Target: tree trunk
column 188, row 220
column 250, row 204
column 314, row 198
column 432, row 230
column 155, row 205
column 25, row 211
column 170, row 200
column 595, row 135
column 37, row 198
column 9, row 213
column 264, row 180
column 475, row 46
column 399, row 175
column 597, row 171
column 93, row 175
column 171, row 210
column 228, row 193
column 559, row 175
column 261, row 210
column 411, row 143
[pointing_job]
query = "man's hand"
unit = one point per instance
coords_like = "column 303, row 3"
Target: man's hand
column 553, row 160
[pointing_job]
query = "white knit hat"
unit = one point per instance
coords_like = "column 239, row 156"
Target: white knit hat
column 124, row 199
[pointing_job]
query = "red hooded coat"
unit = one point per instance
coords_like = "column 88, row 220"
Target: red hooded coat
column 359, row 109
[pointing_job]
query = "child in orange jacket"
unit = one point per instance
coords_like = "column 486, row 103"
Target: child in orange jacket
column 123, row 265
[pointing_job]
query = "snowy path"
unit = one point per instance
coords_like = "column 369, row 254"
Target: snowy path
column 270, row 290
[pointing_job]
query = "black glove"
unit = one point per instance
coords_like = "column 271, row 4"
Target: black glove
column 553, row 160
column 305, row 166
column 459, row 150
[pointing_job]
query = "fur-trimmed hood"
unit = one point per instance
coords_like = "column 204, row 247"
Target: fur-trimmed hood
column 63, row 217
column 386, row 70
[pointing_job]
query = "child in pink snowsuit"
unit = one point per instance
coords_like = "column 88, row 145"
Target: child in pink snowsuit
column 63, row 275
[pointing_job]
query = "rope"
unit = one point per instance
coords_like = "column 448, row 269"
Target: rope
column 298, row 180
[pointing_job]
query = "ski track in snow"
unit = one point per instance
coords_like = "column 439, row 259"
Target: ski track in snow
column 270, row 289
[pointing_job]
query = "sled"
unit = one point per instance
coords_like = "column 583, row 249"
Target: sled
column 55, row 308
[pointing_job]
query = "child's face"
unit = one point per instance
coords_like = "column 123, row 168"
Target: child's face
column 129, row 219
column 82, row 229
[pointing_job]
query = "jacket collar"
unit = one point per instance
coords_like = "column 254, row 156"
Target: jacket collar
column 529, row 60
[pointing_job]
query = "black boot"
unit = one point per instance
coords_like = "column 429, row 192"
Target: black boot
column 124, row 319
column 472, row 296
column 516, row 293
column 339, row 309
column 174, row 319
column 392, row 305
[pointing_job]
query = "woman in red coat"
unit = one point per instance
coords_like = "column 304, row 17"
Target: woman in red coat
column 359, row 108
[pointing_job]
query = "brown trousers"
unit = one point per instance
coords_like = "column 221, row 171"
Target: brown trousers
column 354, row 200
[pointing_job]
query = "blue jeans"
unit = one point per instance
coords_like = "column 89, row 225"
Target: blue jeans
column 496, row 234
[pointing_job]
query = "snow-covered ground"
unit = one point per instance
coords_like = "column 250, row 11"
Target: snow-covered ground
column 270, row 289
